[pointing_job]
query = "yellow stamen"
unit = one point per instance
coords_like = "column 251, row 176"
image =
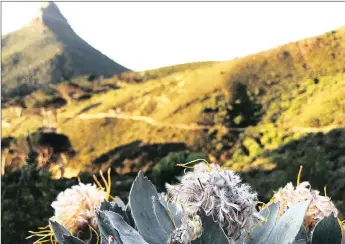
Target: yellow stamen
column 40, row 240
column 261, row 221
column 194, row 166
column 39, row 232
column 102, row 176
column 97, row 182
column 52, row 239
column 325, row 190
column 45, row 227
column 46, row 234
column 113, row 198
column 109, row 184
column 272, row 200
column 299, row 175
column 342, row 226
column 171, row 215
column 263, row 205
column 169, row 192
column 169, row 210
column 194, row 222
column 79, row 179
column 95, row 233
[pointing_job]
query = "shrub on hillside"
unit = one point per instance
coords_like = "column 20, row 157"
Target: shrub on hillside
column 25, row 199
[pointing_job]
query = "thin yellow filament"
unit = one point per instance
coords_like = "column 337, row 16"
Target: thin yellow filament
column 97, row 236
column 185, row 165
column 263, row 205
column 262, row 221
column 52, row 239
column 169, row 192
column 109, row 184
column 169, row 210
column 41, row 240
column 325, row 190
column 342, row 226
column 45, row 227
column 171, row 215
column 194, row 223
column 39, row 232
column 104, row 181
column 97, row 182
column 299, row 175
column 45, row 235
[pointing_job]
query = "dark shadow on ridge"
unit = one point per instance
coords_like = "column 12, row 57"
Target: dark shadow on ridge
column 323, row 160
column 137, row 155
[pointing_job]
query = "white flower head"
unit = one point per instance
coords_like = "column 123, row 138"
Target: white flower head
column 319, row 207
column 220, row 193
column 75, row 207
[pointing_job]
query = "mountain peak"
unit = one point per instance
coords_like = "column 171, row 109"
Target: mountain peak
column 55, row 54
column 50, row 11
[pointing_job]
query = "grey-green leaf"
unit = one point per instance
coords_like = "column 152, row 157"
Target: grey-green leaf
column 327, row 231
column 302, row 236
column 128, row 235
column 117, row 207
column 72, row 240
column 140, row 199
column 259, row 234
column 212, row 233
column 288, row 225
column 299, row 242
column 130, row 216
column 172, row 208
column 59, row 230
column 162, row 216
column 106, row 228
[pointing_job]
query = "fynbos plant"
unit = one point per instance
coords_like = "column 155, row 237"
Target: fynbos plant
column 209, row 205
column 220, row 194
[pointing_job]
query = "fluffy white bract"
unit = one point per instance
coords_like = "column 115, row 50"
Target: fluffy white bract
column 319, row 207
column 75, row 207
column 220, row 193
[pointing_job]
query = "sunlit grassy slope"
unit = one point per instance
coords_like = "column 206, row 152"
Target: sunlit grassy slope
column 290, row 104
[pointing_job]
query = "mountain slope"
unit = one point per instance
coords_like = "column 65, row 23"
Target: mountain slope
column 263, row 115
column 48, row 51
column 243, row 113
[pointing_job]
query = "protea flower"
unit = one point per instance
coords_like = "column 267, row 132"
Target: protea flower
column 319, row 207
column 220, row 193
column 75, row 208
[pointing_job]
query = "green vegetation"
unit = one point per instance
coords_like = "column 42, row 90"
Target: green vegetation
column 322, row 156
column 26, row 195
column 263, row 115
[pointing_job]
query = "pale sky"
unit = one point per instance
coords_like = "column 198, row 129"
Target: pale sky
column 147, row 35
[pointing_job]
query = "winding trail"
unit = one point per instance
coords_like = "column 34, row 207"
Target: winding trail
column 193, row 126
column 190, row 127
column 156, row 123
